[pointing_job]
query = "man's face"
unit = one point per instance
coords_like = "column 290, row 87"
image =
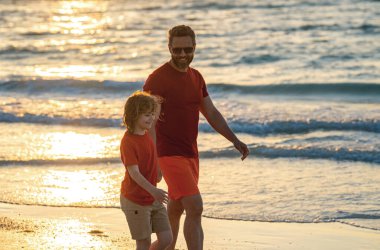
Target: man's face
column 182, row 51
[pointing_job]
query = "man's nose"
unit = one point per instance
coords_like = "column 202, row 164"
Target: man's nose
column 182, row 52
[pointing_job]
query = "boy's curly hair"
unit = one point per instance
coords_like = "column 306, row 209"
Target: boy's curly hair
column 138, row 103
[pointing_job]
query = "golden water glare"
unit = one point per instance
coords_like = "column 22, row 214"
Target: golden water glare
column 76, row 188
column 73, row 20
column 72, row 145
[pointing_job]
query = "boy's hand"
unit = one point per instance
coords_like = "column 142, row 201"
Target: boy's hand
column 160, row 195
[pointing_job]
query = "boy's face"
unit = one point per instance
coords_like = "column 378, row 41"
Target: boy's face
column 145, row 121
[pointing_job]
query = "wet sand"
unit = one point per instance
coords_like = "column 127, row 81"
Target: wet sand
column 36, row 227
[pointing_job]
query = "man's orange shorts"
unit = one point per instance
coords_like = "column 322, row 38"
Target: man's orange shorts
column 181, row 175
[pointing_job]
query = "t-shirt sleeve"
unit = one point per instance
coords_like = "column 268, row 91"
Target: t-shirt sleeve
column 128, row 154
column 152, row 85
column 204, row 87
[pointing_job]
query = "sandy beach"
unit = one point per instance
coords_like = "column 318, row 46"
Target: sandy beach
column 40, row 227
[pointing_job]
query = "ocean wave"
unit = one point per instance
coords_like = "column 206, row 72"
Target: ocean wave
column 264, row 151
column 266, row 219
column 258, row 128
column 59, row 162
column 358, row 216
column 252, row 5
column 297, row 127
column 369, row 28
column 15, row 50
column 365, row 28
column 112, row 205
column 59, row 120
column 336, row 154
column 259, row 59
column 39, row 33
column 218, row 6
column 80, row 205
column 72, row 87
column 356, row 89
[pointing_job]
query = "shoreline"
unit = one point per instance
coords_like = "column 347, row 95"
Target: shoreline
column 32, row 226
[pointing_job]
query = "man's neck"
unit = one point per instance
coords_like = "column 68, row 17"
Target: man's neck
column 176, row 68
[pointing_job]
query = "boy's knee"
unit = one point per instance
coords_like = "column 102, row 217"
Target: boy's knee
column 164, row 243
column 143, row 244
column 165, row 239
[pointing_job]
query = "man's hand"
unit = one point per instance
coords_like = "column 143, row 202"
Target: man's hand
column 242, row 148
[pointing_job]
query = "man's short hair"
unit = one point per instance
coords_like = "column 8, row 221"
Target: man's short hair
column 181, row 30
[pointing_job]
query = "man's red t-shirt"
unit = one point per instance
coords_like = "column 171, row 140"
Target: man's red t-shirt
column 182, row 92
column 138, row 150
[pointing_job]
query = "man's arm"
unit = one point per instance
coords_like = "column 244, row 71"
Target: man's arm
column 158, row 194
column 217, row 121
column 152, row 132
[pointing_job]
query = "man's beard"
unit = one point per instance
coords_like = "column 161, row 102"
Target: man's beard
column 182, row 65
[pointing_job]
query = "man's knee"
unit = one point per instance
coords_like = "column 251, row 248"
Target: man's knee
column 193, row 205
column 175, row 208
column 195, row 210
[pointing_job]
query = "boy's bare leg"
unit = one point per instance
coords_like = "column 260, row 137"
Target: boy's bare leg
column 143, row 244
column 163, row 240
column 175, row 210
column 192, row 228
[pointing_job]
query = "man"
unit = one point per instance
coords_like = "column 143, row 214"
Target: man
column 184, row 94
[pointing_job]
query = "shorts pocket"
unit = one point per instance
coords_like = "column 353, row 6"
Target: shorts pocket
column 139, row 223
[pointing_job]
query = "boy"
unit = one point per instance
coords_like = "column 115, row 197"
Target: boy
column 140, row 199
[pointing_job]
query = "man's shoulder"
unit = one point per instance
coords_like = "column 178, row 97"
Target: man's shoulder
column 162, row 69
column 196, row 73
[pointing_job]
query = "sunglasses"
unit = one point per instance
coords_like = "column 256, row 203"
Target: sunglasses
column 187, row 50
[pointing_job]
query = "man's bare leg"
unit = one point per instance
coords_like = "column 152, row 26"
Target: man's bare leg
column 175, row 210
column 192, row 228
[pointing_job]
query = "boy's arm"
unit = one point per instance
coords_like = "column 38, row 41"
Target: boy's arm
column 217, row 121
column 158, row 194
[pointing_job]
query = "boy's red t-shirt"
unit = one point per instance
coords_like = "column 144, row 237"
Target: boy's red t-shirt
column 138, row 150
column 182, row 93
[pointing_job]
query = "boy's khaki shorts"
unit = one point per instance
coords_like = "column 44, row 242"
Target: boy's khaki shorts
column 143, row 220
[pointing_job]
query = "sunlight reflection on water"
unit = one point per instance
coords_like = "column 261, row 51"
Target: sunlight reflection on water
column 74, row 145
column 75, row 188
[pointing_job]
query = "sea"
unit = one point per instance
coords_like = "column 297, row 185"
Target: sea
column 297, row 80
